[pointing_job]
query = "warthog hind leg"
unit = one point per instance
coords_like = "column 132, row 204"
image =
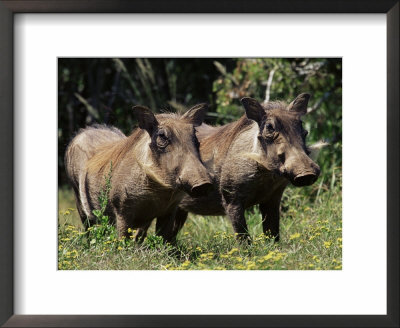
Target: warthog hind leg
column 235, row 213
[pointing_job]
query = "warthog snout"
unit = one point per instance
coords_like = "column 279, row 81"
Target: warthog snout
column 201, row 189
column 197, row 189
column 305, row 179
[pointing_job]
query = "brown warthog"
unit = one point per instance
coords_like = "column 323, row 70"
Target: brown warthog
column 151, row 169
column 252, row 160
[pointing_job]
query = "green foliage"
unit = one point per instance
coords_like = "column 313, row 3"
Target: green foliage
column 154, row 242
column 103, row 230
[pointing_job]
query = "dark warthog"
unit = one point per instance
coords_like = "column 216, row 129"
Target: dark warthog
column 151, row 169
column 252, row 161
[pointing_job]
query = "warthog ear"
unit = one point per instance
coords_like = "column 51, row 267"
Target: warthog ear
column 146, row 118
column 196, row 114
column 254, row 110
column 299, row 104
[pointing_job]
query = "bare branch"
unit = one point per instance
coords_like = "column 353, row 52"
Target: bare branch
column 92, row 111
column 269, row 84
column 220, row 67
column 222, row 70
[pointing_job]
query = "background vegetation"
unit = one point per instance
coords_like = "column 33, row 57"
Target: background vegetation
column 104, row 90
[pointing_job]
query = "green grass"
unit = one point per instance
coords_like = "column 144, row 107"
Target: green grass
column 311, row 239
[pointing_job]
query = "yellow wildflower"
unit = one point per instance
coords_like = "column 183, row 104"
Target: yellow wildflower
column 295, row 236
column 279, row 256
column 251, row 265
column 240, row 267
column 186, row 263
column 315, row 258
column 233, row 250
column 269, row 255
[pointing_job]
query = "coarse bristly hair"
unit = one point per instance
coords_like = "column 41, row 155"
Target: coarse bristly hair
column 226, row 134
column 113, row 152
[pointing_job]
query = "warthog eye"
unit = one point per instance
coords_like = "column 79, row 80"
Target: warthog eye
column 162, row 139
column 270, row 127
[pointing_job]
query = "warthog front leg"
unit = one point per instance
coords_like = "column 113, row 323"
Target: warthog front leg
column 180, row 219
column 142, row 233
column 168, row 226
column 122, row 226
column 270, row 216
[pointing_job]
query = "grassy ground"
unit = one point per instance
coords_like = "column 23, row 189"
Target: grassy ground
column 311, row 239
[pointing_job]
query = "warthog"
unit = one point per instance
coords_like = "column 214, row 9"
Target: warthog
column 151, row 169
column 252, row 160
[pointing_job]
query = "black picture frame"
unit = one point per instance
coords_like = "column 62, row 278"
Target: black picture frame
column 7, row 11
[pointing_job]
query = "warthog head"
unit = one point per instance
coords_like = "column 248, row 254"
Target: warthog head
column 282, row 138
column 174, row 149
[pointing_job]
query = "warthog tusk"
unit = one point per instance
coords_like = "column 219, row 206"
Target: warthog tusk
column 152, row 175
column 316, row 148
column 255, row 157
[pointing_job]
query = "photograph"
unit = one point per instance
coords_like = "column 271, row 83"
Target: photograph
column 239, row 160
column 199, row 163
